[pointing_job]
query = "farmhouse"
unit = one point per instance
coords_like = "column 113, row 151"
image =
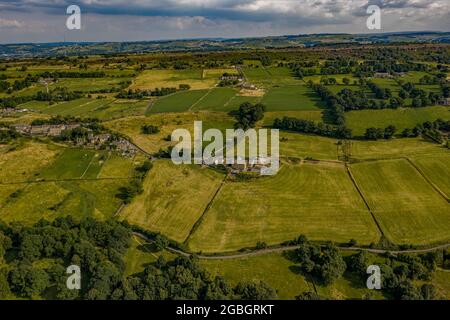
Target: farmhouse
column 99, row 139
column 249, row 86
column 44, row 130
column 382, row 75
column 231, row 77
column 9, row 111
column 445, row 102
column 125, row 147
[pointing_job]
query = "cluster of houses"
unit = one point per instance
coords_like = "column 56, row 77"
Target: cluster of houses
column 231, row 77
column 11, row 111
column 445, row 102
column 104, row 141
column 389, row 75
column 50, row 130
column 108, row 142
column 46, row 82
column 240, row 79
column 251, row 166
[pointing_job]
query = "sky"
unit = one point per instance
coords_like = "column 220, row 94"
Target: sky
column 138, row 20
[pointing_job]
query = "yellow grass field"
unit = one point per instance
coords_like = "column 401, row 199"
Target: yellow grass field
column 23, row 162
column 152, row 79
column 318, row 200
column 166, row 122
column 408, row 209
column 174, row 198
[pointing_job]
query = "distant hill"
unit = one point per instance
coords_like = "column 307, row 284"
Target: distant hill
column 214, row 44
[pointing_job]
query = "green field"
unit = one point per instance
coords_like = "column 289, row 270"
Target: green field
column 236, row 101
column 261, row 268
column 103, row 109
column 302, row 146
column 291, row 98
column 317, row 200
column 258, row 76
column 402, row 118
column 23, row 162
column 216, row 100
column 408, row 209
column 174, row 199
column 48, row 200
column 152, row 79
column 178, row 102
column 395, row 148
column 60, row 181
column 313, row 115
column 167, row 122
column 435, row 168
column 73, row 164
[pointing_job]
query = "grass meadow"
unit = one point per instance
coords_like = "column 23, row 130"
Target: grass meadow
column 402, row 118
column 174, row 199
column 317, row 200
column 408, row 209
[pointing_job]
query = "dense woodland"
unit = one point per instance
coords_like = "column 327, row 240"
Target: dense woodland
column 33, row 262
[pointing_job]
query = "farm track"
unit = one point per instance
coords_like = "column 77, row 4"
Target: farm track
column 199, row 100
column 253, row 253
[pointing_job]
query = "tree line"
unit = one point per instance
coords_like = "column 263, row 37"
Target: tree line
column 38, row 256
column 325, row 264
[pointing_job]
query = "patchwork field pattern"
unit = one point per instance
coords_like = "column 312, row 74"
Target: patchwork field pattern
column 311, row 199
column 55, row 181
column 174, row 199
column 408, row 209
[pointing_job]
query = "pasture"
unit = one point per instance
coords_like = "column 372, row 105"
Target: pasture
column 48, row 200
column 408, row 209
column 435, row 168
column 303, row 146
column 53, row 181
column 261, row 268
column 313, row 115
column 257, row 76
column 395, row 148
column 317, row 200
column 401, row 118
column 174, row 198
column 23, row 162
column 282, row 75
column 166, row 122
column 103, row 109
column 216, row 100
column 177, row 102
column 288, row 98
column 152, row 79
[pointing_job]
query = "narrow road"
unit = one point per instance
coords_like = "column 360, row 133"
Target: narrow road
column 285, row 249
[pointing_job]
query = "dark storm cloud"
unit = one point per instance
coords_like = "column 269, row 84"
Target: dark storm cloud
column 142, row 19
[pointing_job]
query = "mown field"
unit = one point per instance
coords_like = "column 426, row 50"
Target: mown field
column 435, row 168
column 53, row 181
column 317, row 200
column 408, row 209
column 402, row 118
column 103, row 109
column 196, row 78
column 174, row 199
column 291, row 98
